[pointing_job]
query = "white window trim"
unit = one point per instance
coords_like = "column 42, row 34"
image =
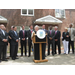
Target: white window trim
column 27, row 13
column 60, row 14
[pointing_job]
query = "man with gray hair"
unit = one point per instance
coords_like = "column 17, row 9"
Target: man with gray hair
column 57, row 40
column 3, row 43
column 71, row 37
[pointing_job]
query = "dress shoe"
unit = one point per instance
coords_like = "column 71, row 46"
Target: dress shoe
column 0, row 61
column 53, row 54
column 16, row 55
column 28, row 56
column 4, row 60
column 45, row 56
column 48, row 54
column 21, row 55
column 16, row 58
column 13, row 58
column 59, row 53
column 25, row 55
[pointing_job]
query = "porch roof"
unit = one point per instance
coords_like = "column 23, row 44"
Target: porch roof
column 3, row 19
column 47, row 20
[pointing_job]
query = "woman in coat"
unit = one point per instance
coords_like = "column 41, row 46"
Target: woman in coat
column 65, row 39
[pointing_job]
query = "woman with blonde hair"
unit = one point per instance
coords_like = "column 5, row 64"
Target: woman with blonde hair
column 65, row 39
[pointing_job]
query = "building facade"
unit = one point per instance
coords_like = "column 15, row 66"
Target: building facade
column 55, row 17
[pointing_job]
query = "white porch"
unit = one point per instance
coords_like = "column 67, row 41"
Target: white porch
column 48, row 20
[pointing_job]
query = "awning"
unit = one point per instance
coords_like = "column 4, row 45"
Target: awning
column 3, row 19
column 47, row 20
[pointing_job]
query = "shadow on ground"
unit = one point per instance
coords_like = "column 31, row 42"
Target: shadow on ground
column 62, row 59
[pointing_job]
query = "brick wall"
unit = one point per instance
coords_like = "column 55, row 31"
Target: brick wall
column 15, row 18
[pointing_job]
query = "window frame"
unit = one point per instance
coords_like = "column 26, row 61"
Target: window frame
column 27, row 13
column 60, row 13
column 20, row 28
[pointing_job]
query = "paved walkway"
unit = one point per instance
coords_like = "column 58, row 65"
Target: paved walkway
column 62, row 59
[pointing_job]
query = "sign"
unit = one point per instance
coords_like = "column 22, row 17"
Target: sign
column 41, row 34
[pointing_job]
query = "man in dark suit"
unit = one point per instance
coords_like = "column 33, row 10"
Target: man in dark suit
column 10, row 39
column 44, row 44
column 57, row 40
column 14, row 43
column 51, row 41
column 23, row 36
column 3, row 43
column 29, row 32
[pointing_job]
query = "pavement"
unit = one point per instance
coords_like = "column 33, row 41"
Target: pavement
column 61, row 59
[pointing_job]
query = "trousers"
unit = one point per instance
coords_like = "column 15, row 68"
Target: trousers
column 3, row 52
column 65, row 44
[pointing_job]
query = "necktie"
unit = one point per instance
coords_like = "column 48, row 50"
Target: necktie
column 50, row 31
column 31, row 31
column 3, row 32
column 23, row 34
column 55, row 32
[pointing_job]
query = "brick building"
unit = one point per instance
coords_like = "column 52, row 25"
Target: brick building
column 55, row 17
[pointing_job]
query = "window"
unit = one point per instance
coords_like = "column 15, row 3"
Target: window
column 26, row 27
column 60, row 13
column 27, row 12
column 20, row 28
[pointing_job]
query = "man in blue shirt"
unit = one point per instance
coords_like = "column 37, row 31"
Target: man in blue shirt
column 14, row 43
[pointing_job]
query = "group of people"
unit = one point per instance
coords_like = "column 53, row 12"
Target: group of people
column 53, row 39
column 67, row 39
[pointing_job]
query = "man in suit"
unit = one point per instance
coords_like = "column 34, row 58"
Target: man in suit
column 57, row 40
column 29, row 32
column 3, row 43
column 44, row 44
column 14, row 43
column 23, row 36
column 43, row 28
column 10, row 39
column 71, row 37
column 7, row 43
column 51, row 41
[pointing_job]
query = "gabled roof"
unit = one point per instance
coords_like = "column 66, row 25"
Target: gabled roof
column 3, row 19
column 47, row 20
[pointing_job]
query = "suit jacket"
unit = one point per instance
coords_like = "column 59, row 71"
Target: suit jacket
column 10, row 32
column 14, row 38
column 45, row 30
column 72, row 33
column 21, row 34
column 52, row 35
column 3, row 37
column 58, row 35
column 64, row 36
column 29, row 35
